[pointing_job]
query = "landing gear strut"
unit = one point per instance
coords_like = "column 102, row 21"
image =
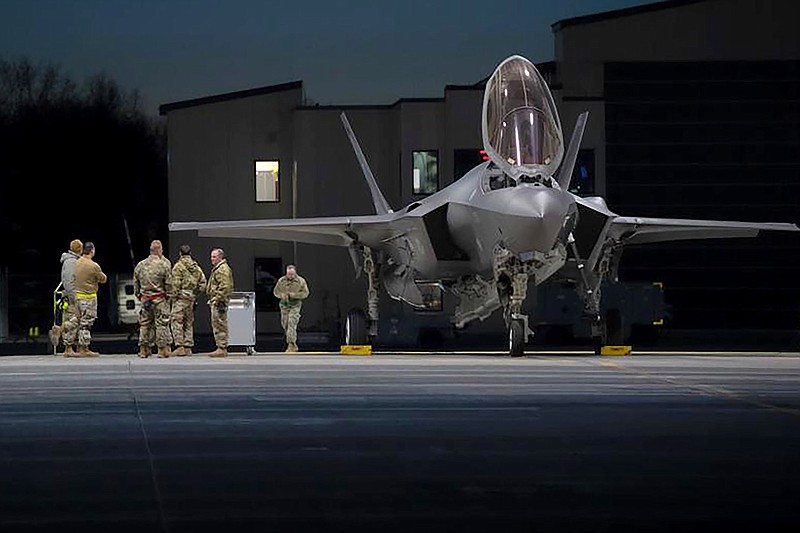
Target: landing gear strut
column 360, row 328
column 511, row 277
column 605, row 329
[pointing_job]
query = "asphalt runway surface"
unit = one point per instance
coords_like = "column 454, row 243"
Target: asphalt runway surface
column 447, row 442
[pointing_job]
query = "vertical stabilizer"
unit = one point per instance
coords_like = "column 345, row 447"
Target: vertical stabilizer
column 381, row 205
column 565, row 174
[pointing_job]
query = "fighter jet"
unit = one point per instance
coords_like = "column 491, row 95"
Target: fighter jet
column 507, row 225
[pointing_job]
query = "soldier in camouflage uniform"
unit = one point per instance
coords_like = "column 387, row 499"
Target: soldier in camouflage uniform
column 188, row 281
column 151, row 282
column 88, row 275
column 68, row 327
column 218, row 290
column 291, row 289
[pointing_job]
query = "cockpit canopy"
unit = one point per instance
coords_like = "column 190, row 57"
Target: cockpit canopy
column 521, row 129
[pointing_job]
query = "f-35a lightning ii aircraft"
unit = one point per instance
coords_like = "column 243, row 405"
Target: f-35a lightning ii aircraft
column 506, row 225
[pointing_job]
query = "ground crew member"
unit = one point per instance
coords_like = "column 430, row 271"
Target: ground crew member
column 188, row 281
column 291, row 289
column 68, row 327
column 160, row 254
column 88, row 276
column 151, row 279
column 218, row 290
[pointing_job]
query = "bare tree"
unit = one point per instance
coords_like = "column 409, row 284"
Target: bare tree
column 24, row 85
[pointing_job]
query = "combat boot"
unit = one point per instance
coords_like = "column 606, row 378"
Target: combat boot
column 84, row 351
column 144, row 351
column 179, row 351
column 70, row 351
column 219, row 352
column 163, row 352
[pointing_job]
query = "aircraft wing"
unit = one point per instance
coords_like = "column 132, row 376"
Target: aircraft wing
column 333, row 231
column 644, row 230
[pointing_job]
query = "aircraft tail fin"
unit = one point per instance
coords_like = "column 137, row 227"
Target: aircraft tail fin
column 565, row 174
column 381, row 205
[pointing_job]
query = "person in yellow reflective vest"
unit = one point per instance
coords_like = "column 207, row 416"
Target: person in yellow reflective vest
column 88, row 276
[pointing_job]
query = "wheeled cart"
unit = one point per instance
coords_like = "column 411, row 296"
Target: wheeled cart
column 242, row 321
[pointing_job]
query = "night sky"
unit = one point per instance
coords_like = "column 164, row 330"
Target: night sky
column 345, row 51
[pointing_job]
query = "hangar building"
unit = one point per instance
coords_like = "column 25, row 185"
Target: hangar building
column 694, row 113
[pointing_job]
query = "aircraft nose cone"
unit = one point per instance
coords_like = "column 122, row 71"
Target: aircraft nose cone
column 536, row 217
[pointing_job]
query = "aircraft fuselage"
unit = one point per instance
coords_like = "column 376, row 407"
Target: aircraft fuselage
column 526, row 218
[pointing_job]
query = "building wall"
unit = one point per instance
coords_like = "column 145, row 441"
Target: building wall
column 694, row 114
column 3, row 302
column 330, row 183
column 212, row 149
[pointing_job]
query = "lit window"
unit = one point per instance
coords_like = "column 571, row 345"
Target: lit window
column 426, row 172
column 267, row 185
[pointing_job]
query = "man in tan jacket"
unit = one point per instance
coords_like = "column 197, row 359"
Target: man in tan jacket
column 88, row 275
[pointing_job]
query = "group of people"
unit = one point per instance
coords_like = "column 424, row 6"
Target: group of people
column 80, row 279
column 168, row 294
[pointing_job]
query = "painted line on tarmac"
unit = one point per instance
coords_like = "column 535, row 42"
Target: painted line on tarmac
column 705, row 390
column 150, row 459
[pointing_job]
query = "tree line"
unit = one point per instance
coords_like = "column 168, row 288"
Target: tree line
column 77, row 160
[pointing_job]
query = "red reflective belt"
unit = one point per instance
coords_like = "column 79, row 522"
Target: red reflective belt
column 154, row 296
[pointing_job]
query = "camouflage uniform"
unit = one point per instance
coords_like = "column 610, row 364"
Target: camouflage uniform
column 187, row 281
column 291, row 292
column 88, row 275
column 69, row 326
column 151, row 281
column 218, row 290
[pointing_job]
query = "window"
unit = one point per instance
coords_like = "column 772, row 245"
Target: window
column 267, row 184
column 426, row 172
column 267, row 271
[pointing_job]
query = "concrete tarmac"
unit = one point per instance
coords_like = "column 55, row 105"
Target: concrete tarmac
column 446, row 442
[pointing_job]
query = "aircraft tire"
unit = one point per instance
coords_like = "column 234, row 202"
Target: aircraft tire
column 516, row 338
column 355, row 328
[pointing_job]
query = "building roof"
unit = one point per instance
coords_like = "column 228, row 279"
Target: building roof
column 258, row 91
column 371, row 106
column 618, row 13
column 547, row 69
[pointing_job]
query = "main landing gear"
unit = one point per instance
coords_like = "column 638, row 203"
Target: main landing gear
column 361, row 328
column 355, row 328
column 608, row 327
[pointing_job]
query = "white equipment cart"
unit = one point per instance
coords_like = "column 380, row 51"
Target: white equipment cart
column 242, row 320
